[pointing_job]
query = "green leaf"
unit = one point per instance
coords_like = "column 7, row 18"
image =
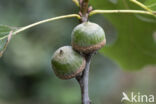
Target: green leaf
column 2, row 44
column 135, row 46
column 4, row 31
column 151, row 4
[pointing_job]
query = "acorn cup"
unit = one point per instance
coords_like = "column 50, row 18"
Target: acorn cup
column 67, row 63
column 88, row 37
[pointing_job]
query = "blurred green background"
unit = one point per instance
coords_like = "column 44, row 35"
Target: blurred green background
column 26, row 76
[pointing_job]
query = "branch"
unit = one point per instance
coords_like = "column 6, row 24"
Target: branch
column 120, row 11
column 83, row 81
column 84, row 10
column 84, row 6
column 41, row 22
column 143, row 6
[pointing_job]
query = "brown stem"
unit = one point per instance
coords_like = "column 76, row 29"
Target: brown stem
column 84, row 10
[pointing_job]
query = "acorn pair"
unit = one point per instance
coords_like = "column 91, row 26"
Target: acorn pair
column 86, row 38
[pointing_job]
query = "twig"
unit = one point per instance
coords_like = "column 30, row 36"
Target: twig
column 83, row 81
column 120, row 11
column 143, row 6
column 41, row 22
column 84, row 77
column 84, row 10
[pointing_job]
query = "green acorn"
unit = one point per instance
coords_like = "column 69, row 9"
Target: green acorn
column 88, row 37
column 67, row 63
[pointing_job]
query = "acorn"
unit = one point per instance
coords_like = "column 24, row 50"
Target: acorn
column 88, row 37
column 67, row 63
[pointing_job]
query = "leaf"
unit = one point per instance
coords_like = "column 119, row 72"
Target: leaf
column 135, row 46
column 4, row 31
column 151, row 4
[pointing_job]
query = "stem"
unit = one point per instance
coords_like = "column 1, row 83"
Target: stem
column 143, row 6
column 84, row 10
column 76, row 3
column 83, row 81
column 119, row 11
column 41, row 22
column 84, row 7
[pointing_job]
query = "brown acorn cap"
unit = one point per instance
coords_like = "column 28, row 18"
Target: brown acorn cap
column 67, row 63
column 88, row 37
column 89, row 49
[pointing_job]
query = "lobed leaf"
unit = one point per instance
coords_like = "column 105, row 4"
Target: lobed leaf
column 135, row 46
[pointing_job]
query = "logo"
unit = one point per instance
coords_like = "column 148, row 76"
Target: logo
column 137, row 98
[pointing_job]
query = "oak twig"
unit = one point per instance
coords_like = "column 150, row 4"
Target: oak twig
column 143, row 6
column 84, row 10
column 83, row 81
column 41, row 22
column 120, row 11
column 84, row 77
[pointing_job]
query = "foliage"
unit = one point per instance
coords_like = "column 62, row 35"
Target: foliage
column 135, row 46
column 150, row 4
column 4, row 31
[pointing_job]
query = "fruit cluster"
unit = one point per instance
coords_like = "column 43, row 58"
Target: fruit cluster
column 67, row 62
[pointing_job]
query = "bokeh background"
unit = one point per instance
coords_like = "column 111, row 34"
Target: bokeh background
column 26, row 76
